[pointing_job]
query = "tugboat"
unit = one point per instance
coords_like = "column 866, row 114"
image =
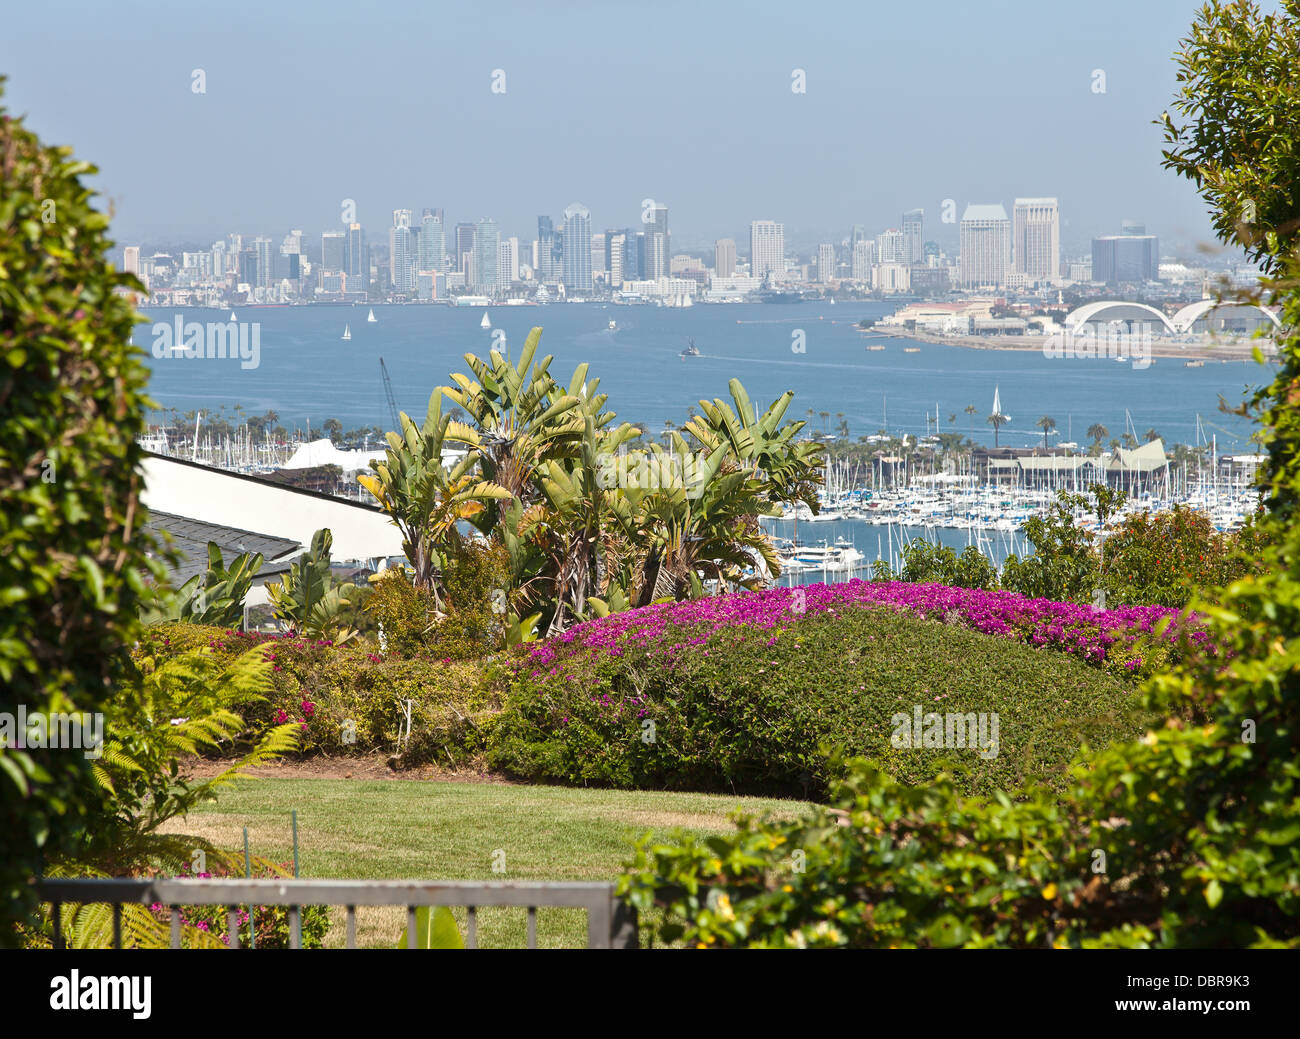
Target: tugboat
column 691, row 350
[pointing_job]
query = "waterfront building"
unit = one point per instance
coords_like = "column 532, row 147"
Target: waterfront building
column 985, row 234
column 1036, row 243
column 766, row 249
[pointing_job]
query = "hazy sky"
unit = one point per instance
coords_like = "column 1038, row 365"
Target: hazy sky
column 608, row 103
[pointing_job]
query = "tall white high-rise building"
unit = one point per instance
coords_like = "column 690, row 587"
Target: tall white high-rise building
column 891, row 247
column 864, row 256
column 766, row 248
column 403, row 263
column 825, row 262
column 985, row 247
column 657, row 258
column 1036, row 241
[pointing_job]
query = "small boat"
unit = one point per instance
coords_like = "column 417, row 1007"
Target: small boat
column 347, row 332
column 691, row 350
column 876, row 347
column 910, row 349
column 485, row 323
column 613, row 326
column 1193, row 364
column 371, row 316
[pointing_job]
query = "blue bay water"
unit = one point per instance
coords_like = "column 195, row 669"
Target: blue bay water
column 307, row 372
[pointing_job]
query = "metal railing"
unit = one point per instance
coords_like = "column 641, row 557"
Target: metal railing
column 610, row 923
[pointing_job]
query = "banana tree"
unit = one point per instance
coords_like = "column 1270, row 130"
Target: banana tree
column 521, row 417
column 214, row 597
column 308, row 598
column 567, row 528
column 791, row 469
column 425, row 498
column 702, row 529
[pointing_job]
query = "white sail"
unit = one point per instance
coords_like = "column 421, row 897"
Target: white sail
column 371, row 316
column 485, row 323
column 347, row 331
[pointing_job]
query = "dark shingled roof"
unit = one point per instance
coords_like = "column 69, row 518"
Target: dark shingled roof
column 191, row 537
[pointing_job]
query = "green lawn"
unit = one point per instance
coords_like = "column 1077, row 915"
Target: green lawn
column 351, row 829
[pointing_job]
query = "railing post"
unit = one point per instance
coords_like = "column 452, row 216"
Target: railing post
column 624, row 929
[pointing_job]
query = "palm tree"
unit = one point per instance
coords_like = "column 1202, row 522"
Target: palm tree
column 1097, row 433
column 997, row 420
column 1151, row 436
column 1046, row 424
column 970, row 410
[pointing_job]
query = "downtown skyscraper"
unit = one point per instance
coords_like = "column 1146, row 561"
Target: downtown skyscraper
column 766, row 249
column 657, row 258
column 985, row 234
column 1036, row 239
column 487, row 256
column 402, row 259
column 577, row 249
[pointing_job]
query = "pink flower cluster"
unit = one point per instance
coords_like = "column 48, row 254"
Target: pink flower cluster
column 1094, row 635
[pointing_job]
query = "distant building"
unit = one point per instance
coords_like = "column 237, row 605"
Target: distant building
column 332, row 247
column 891, row 246
column 1120, row 258
column 825, row 262
column 656, row 244
column 1036, row 246
column 356, row 255
column 262, row 247
column 549, row 252
column 577, row 249
column 464, row 245
column 913, row 238
column 985, row 234
column 891, row 278
column 766, row 249
column 724, row 258
column 433, row 242
column 862, row 260
column 402, row 259
column 487, row 256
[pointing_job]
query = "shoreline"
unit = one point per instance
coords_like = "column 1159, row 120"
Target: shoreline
column 1224, row 351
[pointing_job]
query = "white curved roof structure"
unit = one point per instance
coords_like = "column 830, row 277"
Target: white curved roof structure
column 1186, row 319
column 1104, row 311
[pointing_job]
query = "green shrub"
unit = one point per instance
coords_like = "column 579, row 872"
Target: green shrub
column 71, row 553
column 751, row 710
column 474, row 576
column 350, row 700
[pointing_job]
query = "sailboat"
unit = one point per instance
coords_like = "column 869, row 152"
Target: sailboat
column 232, row 316
column 371, row 317
column 347, row 332
column 485, row 323
column 997, row 404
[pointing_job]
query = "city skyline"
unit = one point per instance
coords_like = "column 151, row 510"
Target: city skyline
column 1000, row 102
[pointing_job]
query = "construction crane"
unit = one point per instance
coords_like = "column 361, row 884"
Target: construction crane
column 388, row 392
